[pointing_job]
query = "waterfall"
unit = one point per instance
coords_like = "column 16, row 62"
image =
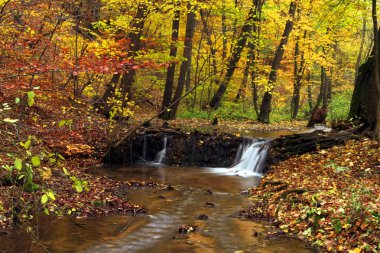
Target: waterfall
column 161, row 155
column 250, row 159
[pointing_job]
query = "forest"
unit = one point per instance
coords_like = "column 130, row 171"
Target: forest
column 285, row 92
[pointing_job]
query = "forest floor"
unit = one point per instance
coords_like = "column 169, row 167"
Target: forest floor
column 329, row 198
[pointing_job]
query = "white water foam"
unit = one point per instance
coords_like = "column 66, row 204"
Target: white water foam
column 250, row 159
column 161, row 155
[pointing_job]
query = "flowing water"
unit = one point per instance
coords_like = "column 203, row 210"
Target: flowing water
column 214, row 194
column 161, row 155
column 250, row 159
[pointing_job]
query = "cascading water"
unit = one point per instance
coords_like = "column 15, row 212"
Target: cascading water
column 161, row 155
column 252, row 156
column 250, row 159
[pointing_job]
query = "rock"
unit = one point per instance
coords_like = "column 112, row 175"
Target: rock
column 186, row 229
column 169, row 188
column 202, row 217
column 209, row 192
column 211, row 205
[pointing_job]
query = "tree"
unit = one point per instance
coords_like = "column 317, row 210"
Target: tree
column 187, row 52
column 233, row 60
column 265, row 107
column 365, row 104
column 169, row 82
column 129, row 72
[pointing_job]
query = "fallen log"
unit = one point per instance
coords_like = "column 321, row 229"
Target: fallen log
column 298, row 144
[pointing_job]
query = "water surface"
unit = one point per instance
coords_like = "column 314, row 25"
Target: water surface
column 196, row 191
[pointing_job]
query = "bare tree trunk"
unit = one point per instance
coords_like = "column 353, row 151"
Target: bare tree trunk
column 190, row 26
column 266, row 103
column 169, row 83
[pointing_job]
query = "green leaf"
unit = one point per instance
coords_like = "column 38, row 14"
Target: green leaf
column 36, row 161
column 62, row 123
column 7, row 168
column 44, row 199
column 18, row 164
column 31, row 94
column 30, row 102
column 78, row 188
column 65, row 172
column 26, row 145
column 51, row 195
column 17, row 100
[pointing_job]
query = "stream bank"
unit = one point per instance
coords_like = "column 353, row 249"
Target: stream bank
column 329, row 198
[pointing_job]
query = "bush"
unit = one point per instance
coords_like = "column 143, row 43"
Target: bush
column 340, row 105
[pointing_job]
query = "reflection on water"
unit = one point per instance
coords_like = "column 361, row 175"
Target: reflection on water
column 194, row 187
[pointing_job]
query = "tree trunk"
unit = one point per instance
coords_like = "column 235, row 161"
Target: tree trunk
column 190, row 26
column 296, row 83
column 252, row 54
column 265, row 108
column 376, row 67
column 127, row 78
column 365, row 98
column 360, row 55
column 224, row 30
column 241, row 92
column 255, row 53
column 134, row 36
column 298, row 75
column 169, row 83
column 318, row 115
column 309, row 92
column 233, row 61
column 210, row 43
column 102, row 105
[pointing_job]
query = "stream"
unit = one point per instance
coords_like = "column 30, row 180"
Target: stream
column 201, row 198
column 168, row 210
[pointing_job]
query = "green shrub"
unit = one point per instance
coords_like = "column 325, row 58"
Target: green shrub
column 340, row 105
